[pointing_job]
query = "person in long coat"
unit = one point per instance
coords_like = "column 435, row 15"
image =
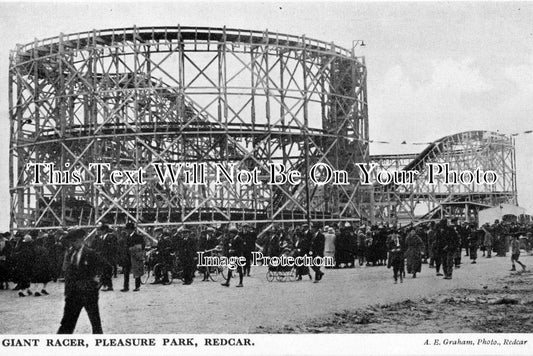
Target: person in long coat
column 343, row 247
column 431, row 239
column 135, row 253
column 329, row 242
column 249, row 237
column 234, row 248
column 360, row 242
column 24, row 257
column 81, row 265
column 488, row 240
column 369, row 248
column 413, row 254
column 381, row 244
column 5, row 253
column 57, row 254
column 473, row 241
column 108, row 248
column 450, row 244
column 137, row 261
column 317, row 249
column 302, row 247
column 41, row 268
column 187, row 255
column 395, row 246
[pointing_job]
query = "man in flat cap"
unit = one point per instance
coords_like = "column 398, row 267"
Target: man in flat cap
column 81, row 284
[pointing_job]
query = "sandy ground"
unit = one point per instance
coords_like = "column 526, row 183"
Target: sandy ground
column 363, row 299
column 503, row 308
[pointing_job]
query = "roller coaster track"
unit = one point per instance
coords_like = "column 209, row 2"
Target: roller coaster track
column 463, row 151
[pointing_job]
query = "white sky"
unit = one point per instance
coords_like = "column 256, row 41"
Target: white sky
column 433, row 68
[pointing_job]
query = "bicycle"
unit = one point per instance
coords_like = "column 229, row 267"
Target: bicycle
column 153, row 268
column 213, row 272
column 160, row 269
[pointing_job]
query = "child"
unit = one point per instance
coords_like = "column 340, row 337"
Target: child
column 515, row 248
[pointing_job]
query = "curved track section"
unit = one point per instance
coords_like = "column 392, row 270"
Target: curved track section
column 472, row 151
column 135, row 97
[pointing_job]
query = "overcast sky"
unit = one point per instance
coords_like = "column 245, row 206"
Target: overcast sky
column 434, row 69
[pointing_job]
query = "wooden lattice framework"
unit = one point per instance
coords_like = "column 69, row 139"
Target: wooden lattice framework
column 469, row 150
column 135, row 96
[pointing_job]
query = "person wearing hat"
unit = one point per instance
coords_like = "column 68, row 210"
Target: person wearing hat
column 515, row 254
column 272, row 247
column 81, row 285
column 133, row 261
column 430, row 233
column 249, row 238
column 234, row 248
column 58, row 251
column 360, row 243
column 450, row 244
column 317, row 250
column 302, row 247
column 108, row 249
column 396, row 260
column 413, row 252
column 24, row 257
column 5, row 254
column 488, row 239
column 41, row 267
column 329, row 242
column 207, row 244
column 344, row 253
column 473, row 239
column 461, row 236
column 187, row 255
column 163, row 256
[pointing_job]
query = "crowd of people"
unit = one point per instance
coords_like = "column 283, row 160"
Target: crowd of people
column 89, row 263
column 31, row 260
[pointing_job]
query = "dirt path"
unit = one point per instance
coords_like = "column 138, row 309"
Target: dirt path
column 261, row 306
column 506, row 308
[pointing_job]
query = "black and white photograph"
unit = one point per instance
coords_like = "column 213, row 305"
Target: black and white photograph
column 266, row 177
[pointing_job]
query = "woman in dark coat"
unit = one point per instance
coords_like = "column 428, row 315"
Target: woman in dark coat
column 413, row 254
column 302, row 247
column 24, row 257
column 343, row 247
column 42, row 267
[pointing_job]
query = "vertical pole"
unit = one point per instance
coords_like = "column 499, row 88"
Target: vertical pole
column 252, row 116
column 92, row 123
column 265, row 50
column 513, row 171
column 12, row 141
column 306, row 133
column 136, row 69
column 36, row 98
column 181, row 108
column 60, row 94
column 21, row 157
column 282, row 104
